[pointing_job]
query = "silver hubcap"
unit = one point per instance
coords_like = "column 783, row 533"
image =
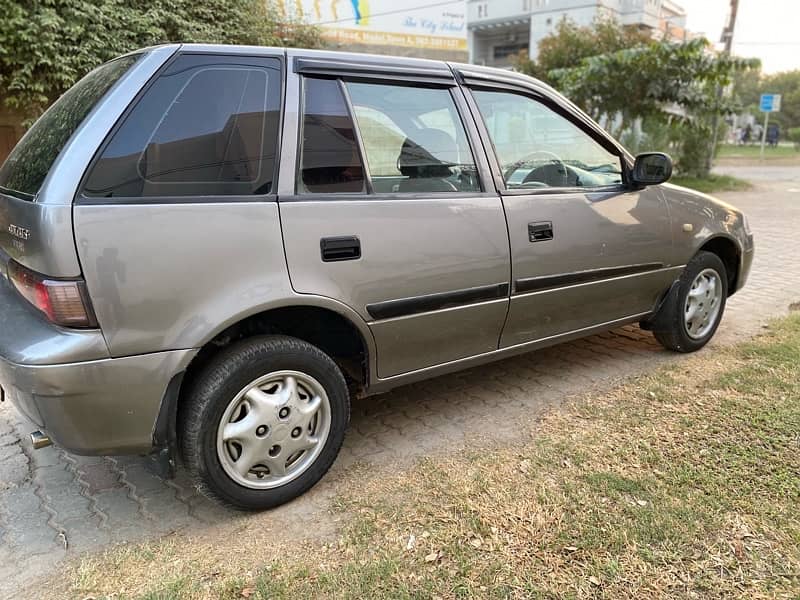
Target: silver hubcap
column 274, row 429
column 702, row 304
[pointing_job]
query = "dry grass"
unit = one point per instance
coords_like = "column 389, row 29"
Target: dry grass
column 684, row 483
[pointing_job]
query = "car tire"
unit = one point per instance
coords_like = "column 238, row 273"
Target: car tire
column 248, row 424
column 689, row 318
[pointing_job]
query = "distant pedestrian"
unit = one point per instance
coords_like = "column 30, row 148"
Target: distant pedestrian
column 747, row 134
column 773, row 134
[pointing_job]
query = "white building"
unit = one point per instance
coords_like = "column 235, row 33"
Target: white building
column 499, row 29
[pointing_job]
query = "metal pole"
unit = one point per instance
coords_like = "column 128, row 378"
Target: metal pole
column 727, row 37
column 764, row 133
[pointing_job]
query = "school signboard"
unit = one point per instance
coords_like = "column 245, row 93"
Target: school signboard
column 413, row 23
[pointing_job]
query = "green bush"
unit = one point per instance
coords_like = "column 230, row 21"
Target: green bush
column 45, row 46
column 687, row 142
column 794, row 136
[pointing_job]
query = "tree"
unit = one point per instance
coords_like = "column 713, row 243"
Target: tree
column 47, row 45
column 749, row 86
column 570, row 44
column 626, row 79
column 660, row 83
column 660, row 79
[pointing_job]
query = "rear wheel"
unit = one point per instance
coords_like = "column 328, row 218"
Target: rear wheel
column 689, row 318
column 264, row 421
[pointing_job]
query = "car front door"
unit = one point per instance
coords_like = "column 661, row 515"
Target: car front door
column 586, row 249
column 387, row 213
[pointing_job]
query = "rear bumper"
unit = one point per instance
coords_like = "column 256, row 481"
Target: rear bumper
column 66, row 384
column 107, row 406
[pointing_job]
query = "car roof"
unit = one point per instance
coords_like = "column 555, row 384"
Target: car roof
column 377, row 59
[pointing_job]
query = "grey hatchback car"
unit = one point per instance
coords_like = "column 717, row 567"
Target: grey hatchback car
column 206, row 251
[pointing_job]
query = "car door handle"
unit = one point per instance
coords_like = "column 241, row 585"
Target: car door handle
column 540, row 231
column 334, row 249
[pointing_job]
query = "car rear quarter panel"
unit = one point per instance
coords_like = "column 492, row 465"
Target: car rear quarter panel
column 170, row 276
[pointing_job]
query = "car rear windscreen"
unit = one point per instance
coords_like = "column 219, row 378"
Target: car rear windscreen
column 28, row 164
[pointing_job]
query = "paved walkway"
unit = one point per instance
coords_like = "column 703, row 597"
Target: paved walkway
column 55, row 506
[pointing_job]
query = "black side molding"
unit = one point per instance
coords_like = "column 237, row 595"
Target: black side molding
column 429, row 302
column 532, row 284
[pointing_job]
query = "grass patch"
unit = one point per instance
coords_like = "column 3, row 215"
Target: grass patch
column 754, row 151
column 683, row 483
column 713, row 183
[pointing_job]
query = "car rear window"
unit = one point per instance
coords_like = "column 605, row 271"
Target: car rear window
column 28, row 164
column 329, row 157
column 208, row 126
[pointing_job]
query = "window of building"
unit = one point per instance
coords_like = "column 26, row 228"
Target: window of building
column 413, row 139
column 329, row 157
column 208, row 126
column 504, row 51
column 539, row 148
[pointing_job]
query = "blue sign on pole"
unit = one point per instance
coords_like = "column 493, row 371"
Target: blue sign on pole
column 770, row 103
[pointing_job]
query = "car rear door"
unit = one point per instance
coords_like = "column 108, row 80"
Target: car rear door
column 587, row 250
column 386, row 209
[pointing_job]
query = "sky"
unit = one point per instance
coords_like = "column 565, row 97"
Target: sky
column 765, row 29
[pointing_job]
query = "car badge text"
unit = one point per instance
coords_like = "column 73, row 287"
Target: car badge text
column 19, row 232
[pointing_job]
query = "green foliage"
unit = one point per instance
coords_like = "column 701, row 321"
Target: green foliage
column 657, row 80
column 624, row 78
column 794, row 136
column 47, row 45
column 686, row 140
column 713, row 183
column 693, row 148
column 570, row 44
column 749, row 86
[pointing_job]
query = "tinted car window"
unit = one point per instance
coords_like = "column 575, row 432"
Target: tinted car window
column 208, row 126
column 329, row 158
column 539, row 148
column 413, row 139
column 26, row 168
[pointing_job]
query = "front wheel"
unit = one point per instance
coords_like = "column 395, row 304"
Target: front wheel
column 690, row 317
column 264, row 422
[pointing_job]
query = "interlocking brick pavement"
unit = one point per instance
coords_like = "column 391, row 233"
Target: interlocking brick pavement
column 54, row 505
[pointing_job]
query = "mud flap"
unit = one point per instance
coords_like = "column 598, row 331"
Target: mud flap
column 163, row 460
column 658, row 320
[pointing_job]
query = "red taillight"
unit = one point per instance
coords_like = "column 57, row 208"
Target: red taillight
column 65, row 303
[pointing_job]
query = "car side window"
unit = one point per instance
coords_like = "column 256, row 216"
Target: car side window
column 539, row 148
column 208, row 126
column 329, row 157
column 413, row 139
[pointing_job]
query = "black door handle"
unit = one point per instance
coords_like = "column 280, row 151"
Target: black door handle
column 541, row 231
column 335, row 249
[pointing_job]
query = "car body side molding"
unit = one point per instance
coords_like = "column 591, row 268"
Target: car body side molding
column 535, row 284
column 429, row 302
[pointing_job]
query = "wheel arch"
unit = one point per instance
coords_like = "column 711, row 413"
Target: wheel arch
column 730, row 253
column 336, row 329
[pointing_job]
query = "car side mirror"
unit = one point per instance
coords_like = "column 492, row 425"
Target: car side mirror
column 651, row 168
